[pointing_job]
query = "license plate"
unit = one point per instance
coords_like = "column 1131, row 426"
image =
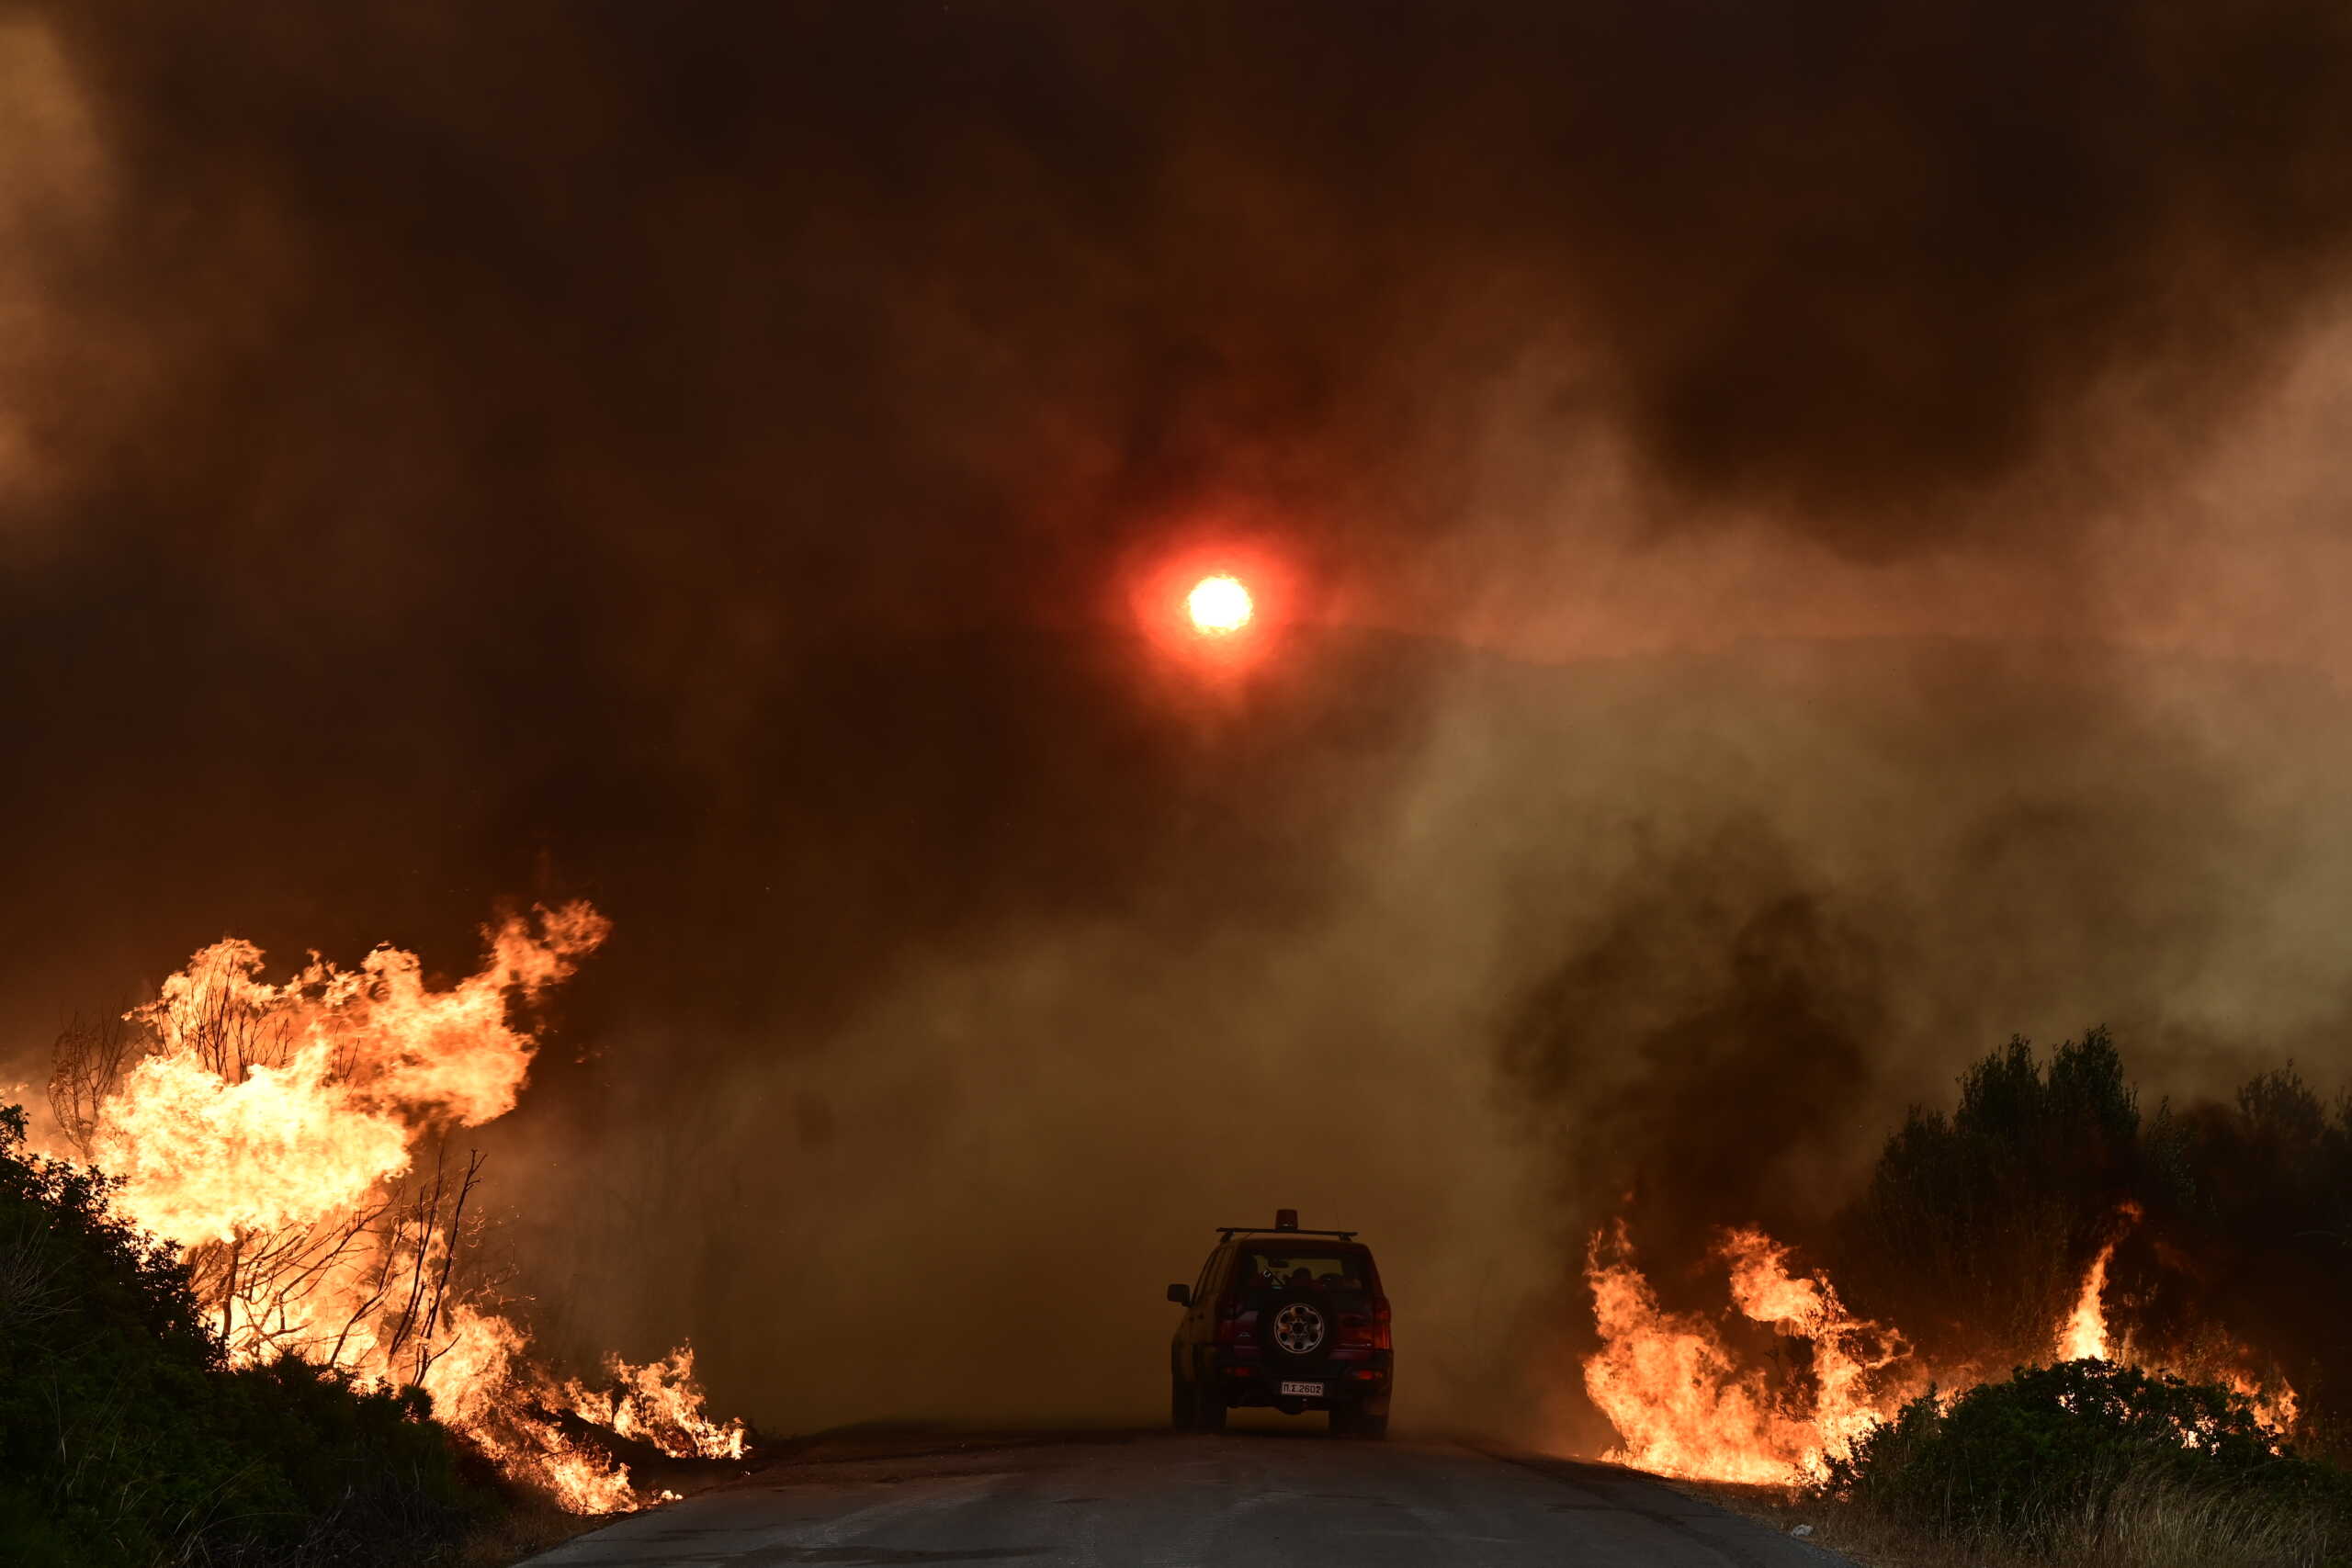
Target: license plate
column 1306, row 1390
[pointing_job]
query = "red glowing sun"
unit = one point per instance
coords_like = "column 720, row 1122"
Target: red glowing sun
column 1220, row 605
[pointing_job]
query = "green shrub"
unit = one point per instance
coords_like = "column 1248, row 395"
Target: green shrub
column 126, row 1441
column 2059, row 1457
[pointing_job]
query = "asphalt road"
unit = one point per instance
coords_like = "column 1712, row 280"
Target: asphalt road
column 1170, row 1501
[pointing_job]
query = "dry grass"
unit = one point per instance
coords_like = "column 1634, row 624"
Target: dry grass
column 2149, row 1523
column 523, row 1532
column 2156, row 1524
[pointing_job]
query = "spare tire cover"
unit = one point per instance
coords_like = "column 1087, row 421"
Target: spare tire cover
column 1299, row 1325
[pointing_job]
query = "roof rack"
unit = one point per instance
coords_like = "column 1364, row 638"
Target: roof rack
column 1227, row 1233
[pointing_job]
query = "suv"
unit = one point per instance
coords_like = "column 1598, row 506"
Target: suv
column 1284, row 1317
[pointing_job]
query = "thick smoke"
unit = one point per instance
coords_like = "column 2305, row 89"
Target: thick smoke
column 702, row 458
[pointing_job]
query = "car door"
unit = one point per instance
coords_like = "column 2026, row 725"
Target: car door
column 1199, row 1318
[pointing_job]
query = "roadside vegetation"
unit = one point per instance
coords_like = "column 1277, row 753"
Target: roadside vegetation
column 128, row 1441
column 2090, row 1463
column 2230, row 1225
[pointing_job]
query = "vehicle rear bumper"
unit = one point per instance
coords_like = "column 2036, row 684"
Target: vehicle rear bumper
column 1349, row 1378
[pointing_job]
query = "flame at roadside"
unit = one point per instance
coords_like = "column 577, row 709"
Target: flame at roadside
column 277, row 1133
column 659, row 1403
column 1685, row 1402
column 1682, row 1402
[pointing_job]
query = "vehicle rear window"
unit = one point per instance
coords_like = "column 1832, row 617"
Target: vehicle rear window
column 1326, row 1266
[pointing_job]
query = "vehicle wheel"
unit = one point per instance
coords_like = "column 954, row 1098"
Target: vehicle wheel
column 1355, row 1421
column 1183, row 1402
column 1209, row 1411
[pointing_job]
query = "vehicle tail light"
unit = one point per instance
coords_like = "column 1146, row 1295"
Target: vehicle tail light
column 1369, row 1333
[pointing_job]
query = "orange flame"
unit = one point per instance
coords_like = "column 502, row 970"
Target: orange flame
column 1683, row 1406
column 659, row 1403
column 2274, row 1402
column 2082, row 1336
column 267, row 1129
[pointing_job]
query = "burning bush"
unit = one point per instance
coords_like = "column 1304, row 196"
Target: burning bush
column 278, row 1135
column 126, row 1437
column 2076, row 1462
column 2042, row 1220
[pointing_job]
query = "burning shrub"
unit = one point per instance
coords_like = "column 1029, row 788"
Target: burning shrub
column 126, row 1438
column 2181, row 1240
column 2039, row 1222
column 286, row 1137
column 2250, row 1220
column 2070, row 1461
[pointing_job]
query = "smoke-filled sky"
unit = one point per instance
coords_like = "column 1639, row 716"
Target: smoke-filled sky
column 1808, row 537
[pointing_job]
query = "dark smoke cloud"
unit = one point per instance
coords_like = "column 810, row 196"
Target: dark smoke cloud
column 1834, row 894
column 1686, row 1050
column 1001, row 282
column 545, row 409
column 698, row 456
